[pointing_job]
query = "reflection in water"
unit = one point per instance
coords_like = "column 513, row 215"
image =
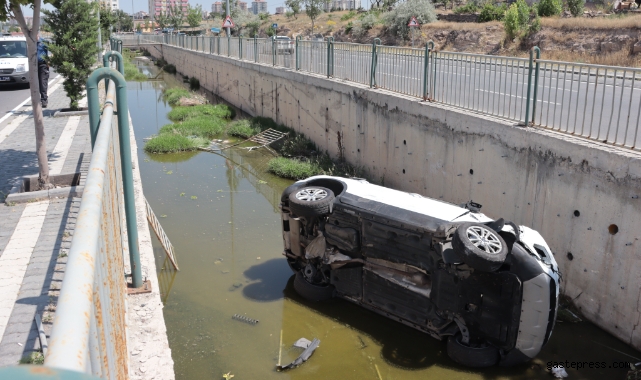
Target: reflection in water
column 176, row 157
column 223, row 220
column 166, row 275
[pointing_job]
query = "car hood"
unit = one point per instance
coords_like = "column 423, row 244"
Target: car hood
column 11, row 63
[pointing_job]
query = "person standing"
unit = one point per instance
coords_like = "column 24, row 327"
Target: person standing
column 43, row 71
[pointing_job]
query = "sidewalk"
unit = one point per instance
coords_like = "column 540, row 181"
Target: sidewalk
column 35, row 237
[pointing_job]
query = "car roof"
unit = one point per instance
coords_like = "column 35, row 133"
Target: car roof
column 13, row 38
column 368, row 196
column 282, row 38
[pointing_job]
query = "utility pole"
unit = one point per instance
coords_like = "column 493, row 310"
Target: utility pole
column 228, row 29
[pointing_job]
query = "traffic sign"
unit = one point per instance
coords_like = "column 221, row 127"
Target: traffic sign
column 274, row 26
column 413, row 22
column 228, row 23
column 215, row 30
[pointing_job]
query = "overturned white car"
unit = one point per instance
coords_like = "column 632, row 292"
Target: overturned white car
column 491, row 287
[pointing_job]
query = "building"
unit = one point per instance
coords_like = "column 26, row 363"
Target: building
column 259, row 6
column 342, row 5
column 156, row 7
column 115, row 4
column 280, row 10
column 217, row 7
column 141, row 15
column 242, row 5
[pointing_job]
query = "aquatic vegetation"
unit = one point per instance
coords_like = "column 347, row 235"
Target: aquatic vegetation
column 219, row 110
column 173, row 95
column 169, row 142
column 243, row 128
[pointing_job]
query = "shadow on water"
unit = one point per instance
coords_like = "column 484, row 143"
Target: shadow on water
column 221, row 214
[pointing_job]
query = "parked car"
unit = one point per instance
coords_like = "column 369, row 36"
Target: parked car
column 488, row 286
column 284, row 45
column 14, row 65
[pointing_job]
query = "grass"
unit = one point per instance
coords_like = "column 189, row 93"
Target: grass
column 293, row 168
column 131, row 71
column 219, row 110
column 33, row 358
column 169, row 68
column 243, row 128
column 173, row 95
column 171, row 142
column 202, row 126
column 581, row 23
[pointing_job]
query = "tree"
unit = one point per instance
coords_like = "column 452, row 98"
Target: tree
column 11, row 9
column 313, row 9
column 176, row 17
column 75, row 36
column 547, row 8
column 194, row 15
column 576, row 7
column 398, row 18
column 162, row 20
column 107, row 21
column 123, row 21
column 294, row 6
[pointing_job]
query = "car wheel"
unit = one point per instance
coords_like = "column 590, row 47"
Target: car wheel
column 312, row 292
column 311, row 201
column 481, row 247
column 469, row 356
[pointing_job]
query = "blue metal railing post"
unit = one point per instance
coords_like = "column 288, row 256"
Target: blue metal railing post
column 125, row 156
column 119, row 64
column 298, row 38
column 426, row 68
column 273, row 39
column 240, row 47
column 537, row 51
column 372, row 78
column 330, row 56
column 255, row 47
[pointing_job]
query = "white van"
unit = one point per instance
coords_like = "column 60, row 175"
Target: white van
column 14, row 65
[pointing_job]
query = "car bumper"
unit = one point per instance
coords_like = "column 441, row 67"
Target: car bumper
column 22, row 78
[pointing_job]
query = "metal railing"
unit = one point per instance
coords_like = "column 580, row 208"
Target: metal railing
column 601, row 103
column 89, row 329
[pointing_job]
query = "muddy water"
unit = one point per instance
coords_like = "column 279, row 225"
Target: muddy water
column 221, row 214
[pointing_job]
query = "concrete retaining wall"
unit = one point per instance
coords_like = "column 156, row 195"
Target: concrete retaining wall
column 577, row 193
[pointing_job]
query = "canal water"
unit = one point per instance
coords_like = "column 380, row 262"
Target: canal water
column 221, row 214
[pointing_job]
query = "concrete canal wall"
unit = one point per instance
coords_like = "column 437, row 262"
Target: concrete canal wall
column 584, row 197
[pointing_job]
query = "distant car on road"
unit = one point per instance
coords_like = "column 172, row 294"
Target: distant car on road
column 284, row 45
column 489, row 287
column 14, row 65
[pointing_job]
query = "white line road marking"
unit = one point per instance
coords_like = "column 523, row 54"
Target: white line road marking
column 59, row 153
column 514, row 96
column 9, row 128
column 5, row 117
column 16, row 255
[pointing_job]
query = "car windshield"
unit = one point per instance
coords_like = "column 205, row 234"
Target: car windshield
column 13, row 49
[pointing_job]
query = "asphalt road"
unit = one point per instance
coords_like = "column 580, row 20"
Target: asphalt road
column 12, row 95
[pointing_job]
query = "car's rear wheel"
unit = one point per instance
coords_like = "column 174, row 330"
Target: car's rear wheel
column 311, row 201
column 481, row 247
column 479, row 356
column 312, row 292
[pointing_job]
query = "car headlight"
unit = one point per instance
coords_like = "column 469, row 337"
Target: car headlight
column 20, row 68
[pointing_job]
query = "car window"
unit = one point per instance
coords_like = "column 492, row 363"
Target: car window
column 13, row 49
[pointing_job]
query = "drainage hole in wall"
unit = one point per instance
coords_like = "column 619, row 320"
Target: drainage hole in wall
column 358, row 150
column 577, row 213
column 403, row 171
column 404, row 142
column 570, row 256
column 358, row 126
column 471, row 171
column 613, row 229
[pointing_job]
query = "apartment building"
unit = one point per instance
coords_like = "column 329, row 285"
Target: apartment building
column 259, row 6
column 217, row 7
column 164, row 6
column 342, row 5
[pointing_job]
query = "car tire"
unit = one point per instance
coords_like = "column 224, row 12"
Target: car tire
column 311, row 201
column 312, row 292
column 477, row 357
column 486, row 254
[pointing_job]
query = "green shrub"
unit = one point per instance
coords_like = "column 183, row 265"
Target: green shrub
column 491, row 12
column 243, row 128
column 160, row 62
column 348, row 15
column 368, row 22
column 576, row 7
column 170, row 142
column 547, row 8
column 173, row 95
column 169, row 68
column 206, row 127
column 397, row 19
column 293, row 168
column 349, row 27
column 219, row 110
column 516, row 19
column 297, row 146
column 470, row 7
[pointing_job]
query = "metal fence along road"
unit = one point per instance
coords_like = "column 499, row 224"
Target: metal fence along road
column 89, row 330
column 601, row 103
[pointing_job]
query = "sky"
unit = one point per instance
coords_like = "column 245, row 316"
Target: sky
column 143, row 5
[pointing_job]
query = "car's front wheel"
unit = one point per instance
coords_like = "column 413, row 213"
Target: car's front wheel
column 478, row 356
column 481, row 247
column 311, row 201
